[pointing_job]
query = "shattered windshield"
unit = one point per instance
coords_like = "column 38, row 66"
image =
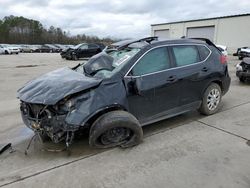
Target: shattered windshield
column 105, row 65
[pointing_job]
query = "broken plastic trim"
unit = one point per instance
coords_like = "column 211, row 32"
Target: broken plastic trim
column 147, row 39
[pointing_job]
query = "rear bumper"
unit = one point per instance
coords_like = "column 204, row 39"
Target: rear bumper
column 242, row 74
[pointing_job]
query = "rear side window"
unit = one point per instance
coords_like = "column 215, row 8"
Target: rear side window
column 155, row 60
column 204, row 52
column 185, row 55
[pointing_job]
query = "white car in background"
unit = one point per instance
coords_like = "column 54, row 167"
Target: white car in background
column 4, row 50
column 223, row 49
column 13, row 49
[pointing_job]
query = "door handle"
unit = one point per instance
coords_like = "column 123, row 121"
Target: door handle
column 172, row 78
column 204, row 69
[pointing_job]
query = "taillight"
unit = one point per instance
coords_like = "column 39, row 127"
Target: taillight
column 223, row 59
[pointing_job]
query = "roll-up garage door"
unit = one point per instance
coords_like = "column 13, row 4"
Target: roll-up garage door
column 201, row 32
column 162, row 33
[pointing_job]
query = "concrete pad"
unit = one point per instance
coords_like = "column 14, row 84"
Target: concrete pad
column 192, row 155
column 235, row 120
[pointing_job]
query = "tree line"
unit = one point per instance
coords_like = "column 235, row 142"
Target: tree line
column 20, row 30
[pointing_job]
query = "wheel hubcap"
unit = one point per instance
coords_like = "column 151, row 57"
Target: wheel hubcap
column 115, row 135
column 213, row 99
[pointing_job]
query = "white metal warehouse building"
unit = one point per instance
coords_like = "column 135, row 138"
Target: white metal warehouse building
column 231, row 31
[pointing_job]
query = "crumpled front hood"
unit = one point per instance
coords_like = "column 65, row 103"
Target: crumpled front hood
column 50, row 88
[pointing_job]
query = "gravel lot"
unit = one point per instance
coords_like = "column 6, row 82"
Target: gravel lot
column 190, row 150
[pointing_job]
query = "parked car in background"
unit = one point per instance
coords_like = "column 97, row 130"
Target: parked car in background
column 237, row 52
column 4, row 50
column 28, row 48
column 60, row 46
column 243, row 70
column 244, row 52
column 83, row 50
column 11, row 49
column 223, row 49
column 113, row 95
column 47, row 48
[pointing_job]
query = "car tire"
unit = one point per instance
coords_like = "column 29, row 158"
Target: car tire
column 211, row 100
column 116, row 128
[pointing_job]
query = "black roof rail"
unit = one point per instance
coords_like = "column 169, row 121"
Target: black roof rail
column 146, row 39
column 209, row 42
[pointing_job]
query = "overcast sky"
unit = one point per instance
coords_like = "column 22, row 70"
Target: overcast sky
column 118, row 18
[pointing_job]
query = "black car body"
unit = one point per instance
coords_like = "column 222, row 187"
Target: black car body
column 115, row 94
column 243, row 70
column 83, row 50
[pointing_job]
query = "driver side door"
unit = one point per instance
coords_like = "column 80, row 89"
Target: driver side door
column 82, row 51
column 152, row 89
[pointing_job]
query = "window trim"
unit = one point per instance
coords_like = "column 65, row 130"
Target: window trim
column 166, row 45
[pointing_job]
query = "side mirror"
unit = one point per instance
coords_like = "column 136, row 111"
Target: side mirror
column 134, row 85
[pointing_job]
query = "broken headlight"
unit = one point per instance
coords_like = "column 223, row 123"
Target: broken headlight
column 70, row 103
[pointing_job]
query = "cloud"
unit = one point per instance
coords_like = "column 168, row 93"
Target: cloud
column 118, row 18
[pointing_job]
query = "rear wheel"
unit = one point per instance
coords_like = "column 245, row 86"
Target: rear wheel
column 211, row 100
column 117, row 128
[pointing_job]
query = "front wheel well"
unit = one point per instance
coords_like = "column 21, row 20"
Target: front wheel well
column 99, row 113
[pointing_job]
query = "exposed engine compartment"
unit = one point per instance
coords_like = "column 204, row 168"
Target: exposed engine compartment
column 48, row 120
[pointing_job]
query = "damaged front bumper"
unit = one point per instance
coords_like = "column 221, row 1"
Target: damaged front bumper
column 243, row 74
column 44, row 119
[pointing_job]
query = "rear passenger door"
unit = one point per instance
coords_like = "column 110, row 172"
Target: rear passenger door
column 192, row 70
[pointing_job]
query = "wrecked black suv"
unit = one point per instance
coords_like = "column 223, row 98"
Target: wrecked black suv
column 115, row 94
